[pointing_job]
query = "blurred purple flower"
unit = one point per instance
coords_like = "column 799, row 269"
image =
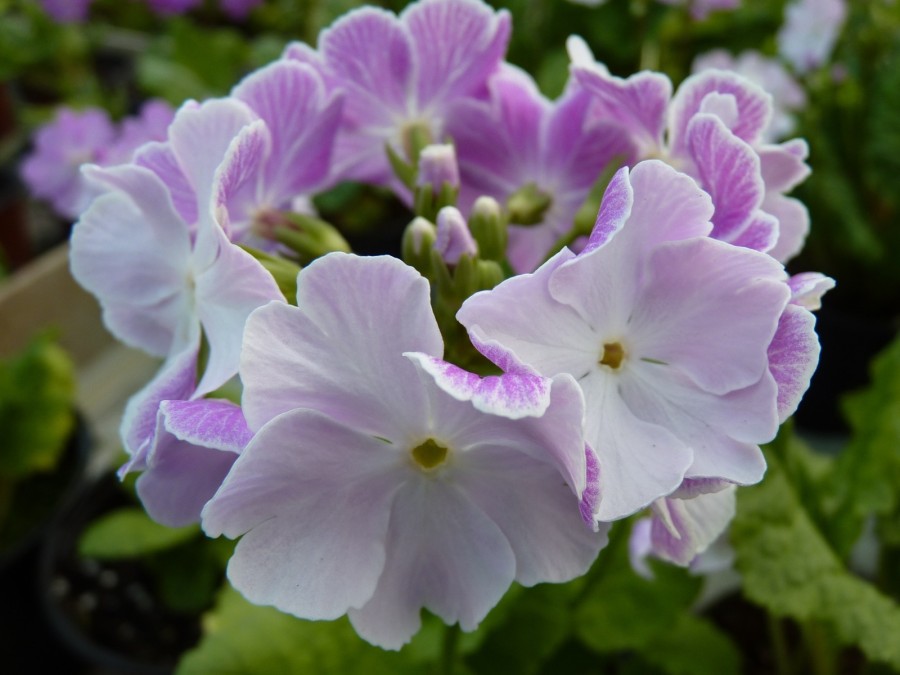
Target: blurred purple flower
column 809, row 32
column 67, row 11
column 52, row 171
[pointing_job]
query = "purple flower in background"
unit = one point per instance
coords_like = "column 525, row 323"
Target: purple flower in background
column 67, row 11
column 700, row 9
column 238, row 9
column 809, row 33
column 52, row 170
column 369, row 491
column 787, row 94
column 150, row 124
column 518, row 139
column 402, row 75
column 712, row 129
column 668, row 333
column 172, row 6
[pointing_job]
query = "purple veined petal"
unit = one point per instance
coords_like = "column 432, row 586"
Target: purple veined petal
column 723, row 106
column 760, row 234
column 590, row 497
column 693, row 487
column 615, row 208
column 200, row 136
column 723, row 431
column 211, row 423
column 458, row 44
column 151, row 125
column 639, row 462
column 683, row 528
column 807, row 289
column 368, row 51
column 444, row 554
column 729, row 171
column 226, row 293
column 784, row 166
column 176, row 380
column 180, row 478
column 793, row 225
column 340, row 351
column 290, row 98
column 237, row 184
column 548, row 536
column 131, row 250
column 709, row 309
column 501, row 322
column 793, row 357
column 312, row 499
column 637, row 103
column 753, row 104
column 159, row 158
column 640, row 546
column 513, row 395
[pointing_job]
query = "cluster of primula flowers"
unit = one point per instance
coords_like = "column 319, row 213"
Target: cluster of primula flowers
column 421, row 433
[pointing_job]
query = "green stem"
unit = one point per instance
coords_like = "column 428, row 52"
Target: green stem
column 779, row 645
column 448, row 651
column 821, row 655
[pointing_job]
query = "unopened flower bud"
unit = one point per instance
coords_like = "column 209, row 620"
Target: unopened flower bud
column 487, row 224
column 437, row 165
column 453, row 237
column 418, row 242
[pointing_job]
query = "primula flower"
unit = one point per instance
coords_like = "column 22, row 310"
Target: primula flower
column 668, row 333
column 238, row 9
column 700, row 9
column 403, row 75
column 284, row 153
column 367, row 490
column 712, row 129
column 518, row 140
column 150, row 124
column 810, row 30
column 164, row 284
column 787, row 94
column 52, row 170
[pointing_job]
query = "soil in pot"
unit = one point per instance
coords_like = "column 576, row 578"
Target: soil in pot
column 109, row 612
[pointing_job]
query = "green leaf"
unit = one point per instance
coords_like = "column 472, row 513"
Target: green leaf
column 129, row 532
column 245, row 639
column 693, row 646
column 615, row 615
column 866, row 478
column 37, row 392
column 789, row 568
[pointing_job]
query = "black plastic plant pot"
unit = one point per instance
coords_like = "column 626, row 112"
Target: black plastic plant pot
column 27, row 644
column 106, row 612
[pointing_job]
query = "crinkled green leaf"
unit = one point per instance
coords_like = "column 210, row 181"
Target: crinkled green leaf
column 37, row 392
column 536, row 622
column 245, row 639
column 866, row 479
column 129, row 532
column 623, row 611
column 789, row 568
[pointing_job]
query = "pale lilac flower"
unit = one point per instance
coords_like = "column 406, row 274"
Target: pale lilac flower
column 285, row 158
column 518, row 138
column 52, row 170
column 150, row 124
column 67, row 11
column 809, row 32
column 403, row 75
column 165, row 283
column 667, row 331
column 367, row 490
column 713, row 130
column 787, row 94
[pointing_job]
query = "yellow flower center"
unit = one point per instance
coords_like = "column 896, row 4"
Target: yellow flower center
column 429, row 454
column 613, row 355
